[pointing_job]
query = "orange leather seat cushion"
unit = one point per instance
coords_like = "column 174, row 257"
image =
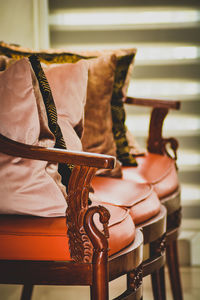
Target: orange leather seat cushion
column 139, row 198
column 155, row 169
column 35, row 238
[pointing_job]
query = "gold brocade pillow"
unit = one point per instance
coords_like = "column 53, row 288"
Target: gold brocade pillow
column 46, row 56
column 124, row 65
column 97, row 134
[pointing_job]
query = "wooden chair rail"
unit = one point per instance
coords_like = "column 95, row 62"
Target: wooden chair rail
column 45, row 272
column 10, row 147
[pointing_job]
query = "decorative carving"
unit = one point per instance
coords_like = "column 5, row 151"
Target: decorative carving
column 156, row 143
column 98, row 239
column 80, row 246
column 173, row 144
column 158, row 247
column 80, row 218
column 174, row 219
column 134, row 278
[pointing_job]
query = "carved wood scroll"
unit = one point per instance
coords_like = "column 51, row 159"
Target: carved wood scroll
column 79, row 185
column 81, row 248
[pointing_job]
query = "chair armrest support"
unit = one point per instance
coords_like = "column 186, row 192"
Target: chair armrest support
column 85, row 164
column 156, row 143
column 86, row 242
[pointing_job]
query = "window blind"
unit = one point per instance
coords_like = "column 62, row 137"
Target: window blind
column 166, row 34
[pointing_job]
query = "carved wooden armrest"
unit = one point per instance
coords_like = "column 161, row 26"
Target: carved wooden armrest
column 82, row 246
column 156, row 143
column 14, row 148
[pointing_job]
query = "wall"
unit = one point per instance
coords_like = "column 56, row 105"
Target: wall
column 24, row 22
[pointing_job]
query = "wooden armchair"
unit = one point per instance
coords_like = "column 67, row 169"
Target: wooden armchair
column 71, row 250
column 140, row 179
column 158, row 169
column 169, row 193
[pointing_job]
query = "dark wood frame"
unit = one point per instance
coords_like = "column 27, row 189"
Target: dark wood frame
column 156, row 143
column 90, row 263
column 154, row 234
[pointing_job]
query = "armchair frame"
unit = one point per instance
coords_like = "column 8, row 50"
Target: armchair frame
column 90, row 264
column 156, row 143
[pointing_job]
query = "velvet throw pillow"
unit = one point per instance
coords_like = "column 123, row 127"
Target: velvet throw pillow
column 97, row 130
column 26, row 186
column 97, row 134
column 124, row 65
column 48, row 57
column 68, row 84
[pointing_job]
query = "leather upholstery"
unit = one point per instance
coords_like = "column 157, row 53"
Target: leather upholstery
column 35, row 238
column 140, row 198
column 155, row 169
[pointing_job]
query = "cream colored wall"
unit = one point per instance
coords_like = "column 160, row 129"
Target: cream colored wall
column 24, row 22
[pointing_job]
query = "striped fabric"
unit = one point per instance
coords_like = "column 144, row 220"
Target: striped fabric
column 64, row 169
column 118, row 111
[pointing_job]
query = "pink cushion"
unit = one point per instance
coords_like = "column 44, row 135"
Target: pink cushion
column 155, row 169
column 25, row 182
column 68, row 84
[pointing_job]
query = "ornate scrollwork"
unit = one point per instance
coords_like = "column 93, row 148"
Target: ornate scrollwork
column 173, row 145
column 98, row 238
column 135, row 278
column 79, row 185
column 158, row 247
column 174, row 219
column 80, row 218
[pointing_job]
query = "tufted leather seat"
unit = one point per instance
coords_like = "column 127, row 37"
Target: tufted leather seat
column 155, row 169
column 139, row 198
column 34, row 238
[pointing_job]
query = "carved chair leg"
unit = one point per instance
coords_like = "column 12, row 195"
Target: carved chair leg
column 99, row 291
column 134, row 286
column 99, row 288
column 27, row 292
column 174, row 272
column 158, row 247
column 158, row 284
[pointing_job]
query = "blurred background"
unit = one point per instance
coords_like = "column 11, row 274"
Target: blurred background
column 167, row 36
